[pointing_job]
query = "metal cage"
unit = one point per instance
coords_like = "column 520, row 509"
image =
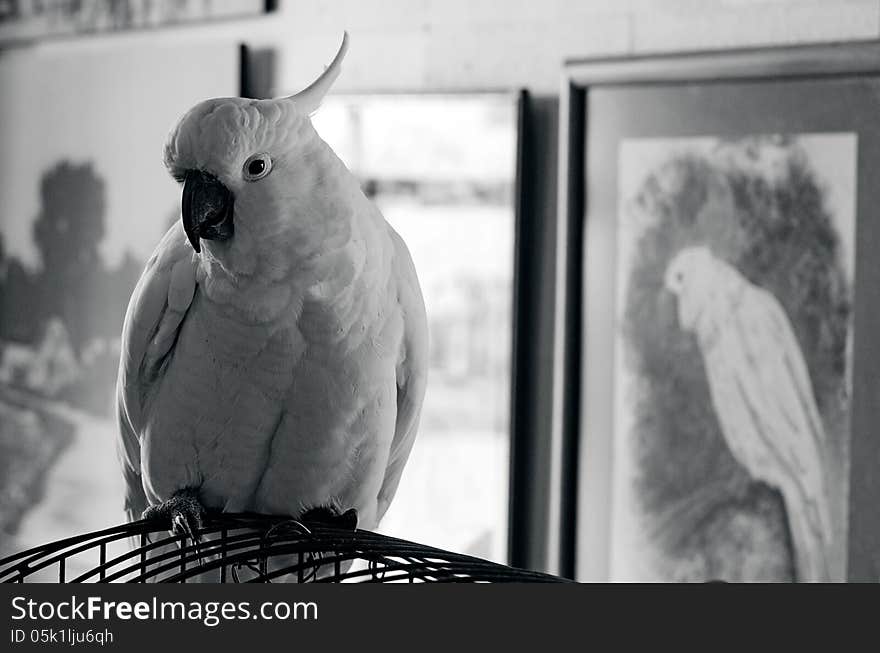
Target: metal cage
column 250, row 548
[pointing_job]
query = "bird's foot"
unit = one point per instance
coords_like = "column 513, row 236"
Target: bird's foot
column 184, row 512
column 331, row 516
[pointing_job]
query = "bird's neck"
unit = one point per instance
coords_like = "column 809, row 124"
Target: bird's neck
column 309, row 249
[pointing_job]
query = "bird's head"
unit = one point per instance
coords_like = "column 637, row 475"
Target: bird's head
column 689, row 276
column 251, row 170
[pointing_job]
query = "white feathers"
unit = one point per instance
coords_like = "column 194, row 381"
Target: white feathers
column 310, row 98
column 284, row 367
column 761, row 392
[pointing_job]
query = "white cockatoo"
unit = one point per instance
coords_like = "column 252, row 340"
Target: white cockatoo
column 274, row 352
column 761, row 392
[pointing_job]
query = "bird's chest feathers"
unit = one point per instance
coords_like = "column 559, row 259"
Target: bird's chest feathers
column 255, row 302
column 342, row 319
column 234, row 359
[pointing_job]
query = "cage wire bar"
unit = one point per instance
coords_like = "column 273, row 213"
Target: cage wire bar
column 251, row 548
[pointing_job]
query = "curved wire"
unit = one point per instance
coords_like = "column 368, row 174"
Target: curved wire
column 247, row 547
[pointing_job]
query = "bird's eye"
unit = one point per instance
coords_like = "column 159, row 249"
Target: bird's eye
column 257, row 167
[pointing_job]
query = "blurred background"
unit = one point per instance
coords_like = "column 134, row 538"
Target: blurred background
column 445, row 110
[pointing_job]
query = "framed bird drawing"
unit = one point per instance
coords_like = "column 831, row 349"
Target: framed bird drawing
column 723, row 298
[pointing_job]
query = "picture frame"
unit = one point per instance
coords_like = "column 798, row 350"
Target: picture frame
column 442, row 168
column 632, row 130
column 86, row 200
column 24, row 22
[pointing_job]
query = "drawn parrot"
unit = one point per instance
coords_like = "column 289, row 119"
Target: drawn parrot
column 274, row 351
column 761, row 393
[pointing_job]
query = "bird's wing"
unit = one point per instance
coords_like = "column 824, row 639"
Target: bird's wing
column 412, row 370
column 736, row 419
column 782, row 371
column 155, row 312
column 781, row 394
column 789, row 351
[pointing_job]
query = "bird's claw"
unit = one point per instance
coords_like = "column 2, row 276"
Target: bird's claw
column 331, row 516
column 184, row 513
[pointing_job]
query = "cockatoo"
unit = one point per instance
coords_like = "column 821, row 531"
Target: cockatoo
column 274, row 351
column 761, row 392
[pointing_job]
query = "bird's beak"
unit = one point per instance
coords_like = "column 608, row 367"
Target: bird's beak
column 207, row 208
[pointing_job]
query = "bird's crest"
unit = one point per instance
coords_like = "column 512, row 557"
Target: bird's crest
column 309, row 99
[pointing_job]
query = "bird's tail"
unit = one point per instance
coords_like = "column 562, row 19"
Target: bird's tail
column 809, row 522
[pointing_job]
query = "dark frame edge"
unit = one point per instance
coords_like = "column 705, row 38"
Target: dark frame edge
column 565, row 431
column 532, row 358
column 244, row 75
column 519, row 478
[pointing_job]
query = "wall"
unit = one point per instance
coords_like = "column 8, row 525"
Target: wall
column 472, row 44
column 436, row 45
column 431, row 45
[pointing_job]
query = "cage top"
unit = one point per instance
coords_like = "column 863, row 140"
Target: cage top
column 246, row 547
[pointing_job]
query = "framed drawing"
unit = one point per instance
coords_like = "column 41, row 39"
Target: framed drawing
column 86, row 199
column 717, row 312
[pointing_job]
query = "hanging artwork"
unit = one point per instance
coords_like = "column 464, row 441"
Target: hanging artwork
column 719, row 210
column 86, row 198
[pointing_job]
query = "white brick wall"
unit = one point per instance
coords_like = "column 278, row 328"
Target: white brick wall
column 429, row 45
